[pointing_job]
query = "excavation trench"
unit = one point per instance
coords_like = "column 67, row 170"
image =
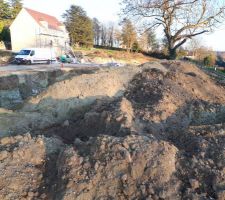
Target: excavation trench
column 152, row 103
column 67, row 96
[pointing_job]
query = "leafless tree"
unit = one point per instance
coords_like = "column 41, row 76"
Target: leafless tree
column 111, row 34
column 103, row 35
column 194, row 45
column 106, row 35
column 129, row 35
column 148, row 41
column 117, row 37
column 180, row 19
column 97, row 31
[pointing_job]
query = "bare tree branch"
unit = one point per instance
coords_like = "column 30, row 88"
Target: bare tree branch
column 181, row 19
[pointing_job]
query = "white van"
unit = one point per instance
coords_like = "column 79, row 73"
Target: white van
column 35, row 55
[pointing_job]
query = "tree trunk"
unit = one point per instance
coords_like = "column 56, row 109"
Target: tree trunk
column 172, row 53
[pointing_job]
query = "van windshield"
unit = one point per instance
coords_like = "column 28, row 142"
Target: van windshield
column 24, row 52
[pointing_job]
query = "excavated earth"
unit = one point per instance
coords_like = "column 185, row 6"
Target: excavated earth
column 157, row 133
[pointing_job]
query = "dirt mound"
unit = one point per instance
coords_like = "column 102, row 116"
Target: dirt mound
column 159, row 100
column 118, row 168
column 162, row 138
column 24, row 163
column 101, row 168
column 171, row 105
column 107, row 167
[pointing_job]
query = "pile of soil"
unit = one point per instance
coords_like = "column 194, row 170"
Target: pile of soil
column 159, row 101
column 164, row 138
column 27, row 166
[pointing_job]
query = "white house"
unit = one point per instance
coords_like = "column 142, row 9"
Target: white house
column 38, row 30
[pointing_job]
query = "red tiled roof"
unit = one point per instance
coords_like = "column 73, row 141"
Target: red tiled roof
column 53, row 23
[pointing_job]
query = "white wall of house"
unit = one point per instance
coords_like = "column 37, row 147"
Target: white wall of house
column 27, row 33
column 23, row 31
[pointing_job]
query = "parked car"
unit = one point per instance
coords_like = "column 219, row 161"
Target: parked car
column 35, row 55
column 67, row 59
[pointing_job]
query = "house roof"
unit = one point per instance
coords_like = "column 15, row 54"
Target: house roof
column 53, row 22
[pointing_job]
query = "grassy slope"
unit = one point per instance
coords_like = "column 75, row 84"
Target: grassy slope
column 116, row 54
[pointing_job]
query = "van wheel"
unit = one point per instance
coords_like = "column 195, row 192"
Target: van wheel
column 29, row 62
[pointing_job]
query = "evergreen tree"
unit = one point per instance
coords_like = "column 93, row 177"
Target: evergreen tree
column 16, row 6
column 5, row 12
column 5, row 20
column 79, row 26
column 8, row 12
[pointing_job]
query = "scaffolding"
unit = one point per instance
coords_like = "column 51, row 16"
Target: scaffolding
column 54, row 39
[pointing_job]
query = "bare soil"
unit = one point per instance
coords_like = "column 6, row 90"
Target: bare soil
column 162, row 139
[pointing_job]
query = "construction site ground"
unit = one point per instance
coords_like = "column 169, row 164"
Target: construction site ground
column 154, row 131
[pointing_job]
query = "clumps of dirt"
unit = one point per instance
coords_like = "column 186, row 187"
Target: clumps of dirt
column 146, row 87
column 158, row 100
column 132, row 167
column 163, row 139
column 203, row 112
column 106, row 117
column 172, row 99
column 104, row 167
column 201, row 161
column 27, row 166
column 107, row 167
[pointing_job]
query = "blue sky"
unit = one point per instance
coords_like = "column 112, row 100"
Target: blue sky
column 106, row 11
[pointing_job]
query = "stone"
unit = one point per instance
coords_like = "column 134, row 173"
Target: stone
column 3, row 155
column 96, row 166
column 77, row 141
column 6, row 140
column 30, row 194
column 66, row 123
column 194, row 183
column 221, row 195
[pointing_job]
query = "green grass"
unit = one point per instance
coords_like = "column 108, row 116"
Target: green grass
column 222, row 72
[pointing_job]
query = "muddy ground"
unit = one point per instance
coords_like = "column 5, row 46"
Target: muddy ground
column 162, row 138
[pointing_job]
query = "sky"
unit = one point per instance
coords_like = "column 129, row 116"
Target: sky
column 107, row 11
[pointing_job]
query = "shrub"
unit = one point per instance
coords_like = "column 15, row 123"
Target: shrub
column 209, row 60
